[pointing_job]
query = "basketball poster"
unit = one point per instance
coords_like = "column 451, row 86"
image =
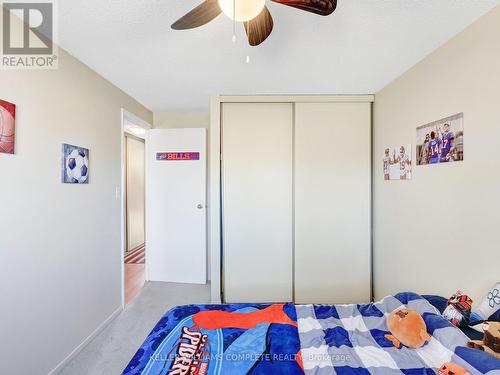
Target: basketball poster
column 7, row 127
column 441, row 141
column 397, row 163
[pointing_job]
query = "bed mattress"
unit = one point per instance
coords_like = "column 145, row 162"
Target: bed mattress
column 301, row 339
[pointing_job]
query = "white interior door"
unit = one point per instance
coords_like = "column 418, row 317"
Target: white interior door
column 176, row 213
column 332, row 202
column 257, row 202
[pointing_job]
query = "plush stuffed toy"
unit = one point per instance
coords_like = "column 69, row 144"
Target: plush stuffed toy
column 452, row 369
column 491, row 340
column 458, row 310
column 408, row 328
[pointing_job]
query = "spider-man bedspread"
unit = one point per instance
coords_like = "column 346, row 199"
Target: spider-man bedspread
column 331, row 339
column 222, row 339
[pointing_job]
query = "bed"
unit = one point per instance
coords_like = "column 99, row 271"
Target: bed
column 301, row 339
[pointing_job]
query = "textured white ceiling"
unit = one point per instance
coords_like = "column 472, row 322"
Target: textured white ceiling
column 362, row 47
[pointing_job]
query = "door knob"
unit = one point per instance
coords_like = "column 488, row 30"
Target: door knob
column 199, row 206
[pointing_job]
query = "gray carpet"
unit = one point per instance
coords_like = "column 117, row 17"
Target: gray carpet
column 112, row 349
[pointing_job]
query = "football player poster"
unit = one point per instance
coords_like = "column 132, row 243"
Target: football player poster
column 441, row 141
column 7, row 127
column 397, row 163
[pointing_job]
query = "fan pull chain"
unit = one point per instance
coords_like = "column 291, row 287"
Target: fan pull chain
column 234, row 21
column 247, row 60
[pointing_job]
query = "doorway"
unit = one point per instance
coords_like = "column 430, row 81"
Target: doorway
column 134, row 250
column 165, row 240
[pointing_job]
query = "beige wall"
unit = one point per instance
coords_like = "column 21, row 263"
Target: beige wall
column 181, row 120
column 439, row 232
column 59, row 243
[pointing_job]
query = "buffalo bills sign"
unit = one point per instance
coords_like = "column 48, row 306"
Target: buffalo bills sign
column 177, row 156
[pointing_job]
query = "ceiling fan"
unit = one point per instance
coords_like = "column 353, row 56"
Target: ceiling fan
column 253, row 13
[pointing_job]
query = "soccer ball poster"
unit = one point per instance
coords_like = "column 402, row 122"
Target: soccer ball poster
column 397, row 163
column 441, row 141
column 7, row 127
column 74, row 165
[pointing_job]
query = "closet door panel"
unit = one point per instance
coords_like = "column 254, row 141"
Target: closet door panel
column 332, row 202
column 257, row 202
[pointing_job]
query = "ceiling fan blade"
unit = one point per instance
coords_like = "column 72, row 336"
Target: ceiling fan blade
column 199, row 16
column 259, row 28
column 321, row 7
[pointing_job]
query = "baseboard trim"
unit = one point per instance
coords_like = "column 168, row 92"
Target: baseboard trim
column 85, row 342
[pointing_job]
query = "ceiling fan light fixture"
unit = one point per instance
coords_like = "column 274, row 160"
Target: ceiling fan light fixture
column 246, row 10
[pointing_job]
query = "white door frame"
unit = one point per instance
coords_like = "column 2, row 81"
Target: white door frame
column 129, row 117
column 214, row 185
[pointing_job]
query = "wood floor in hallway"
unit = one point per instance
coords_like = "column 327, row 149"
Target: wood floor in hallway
column 134, row 280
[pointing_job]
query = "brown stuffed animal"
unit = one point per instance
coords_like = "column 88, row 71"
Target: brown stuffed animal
column 491, row 340
column 408, row 328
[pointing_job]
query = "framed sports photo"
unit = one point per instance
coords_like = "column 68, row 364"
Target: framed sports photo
column 74, row 165
column 7, row 127
column 441, row 141
column 397, row 163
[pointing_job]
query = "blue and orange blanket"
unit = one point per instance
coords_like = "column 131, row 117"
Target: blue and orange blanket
column 300, row 339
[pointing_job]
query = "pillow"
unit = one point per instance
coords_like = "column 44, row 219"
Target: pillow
column 495, row 317
column 488, row 308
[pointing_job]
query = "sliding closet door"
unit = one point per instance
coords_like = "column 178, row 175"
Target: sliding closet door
column 332, row 202
column 257, row 202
